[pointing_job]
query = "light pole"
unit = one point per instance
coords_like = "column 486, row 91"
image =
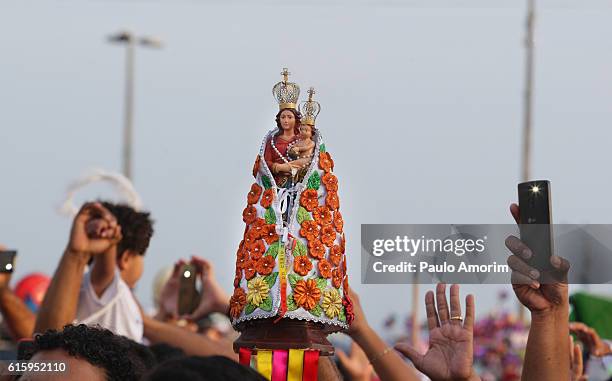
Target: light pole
column 130, row 40
column 528, row 104
column 528, row 100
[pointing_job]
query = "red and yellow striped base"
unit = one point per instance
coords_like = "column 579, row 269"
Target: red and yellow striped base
column 283, row 365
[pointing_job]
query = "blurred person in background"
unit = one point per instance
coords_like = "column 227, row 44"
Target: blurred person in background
column 114, row 238
column 89, row 353
column 19, row 306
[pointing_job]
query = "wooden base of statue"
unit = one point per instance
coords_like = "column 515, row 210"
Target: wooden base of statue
column 285, row 334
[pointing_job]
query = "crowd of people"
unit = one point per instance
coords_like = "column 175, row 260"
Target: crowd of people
column 91, row 320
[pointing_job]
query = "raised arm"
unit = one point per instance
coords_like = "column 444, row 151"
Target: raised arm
column 193, row 344
column 60, row 303
column 387, row 363
column 17, row 316
column 547, row 357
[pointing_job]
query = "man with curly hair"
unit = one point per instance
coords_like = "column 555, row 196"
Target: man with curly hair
column 111, row 357
column 113, row 239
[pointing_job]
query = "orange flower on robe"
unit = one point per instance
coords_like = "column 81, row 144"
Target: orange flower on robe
column 267, row 198
column 248, row 240
column 249, row 214
column 270, row 234
column 331, row 182
column 254, row 193
column 325, row 268
column 302, row 265
column 237, row 302
column 335, row 255
column 325, row 161
column 338, row 221
column 309, row 230
column 256, row 166
column 309, row 199
column 238, row 277
column 242, row 258
column 337, row 277
column 256, row 249
column 256, row 230
column 328, row 235
column 265, row 265
column 322, row 215
column 249, row 269
column 316, row 249
column 332, row 200
column 306, row 294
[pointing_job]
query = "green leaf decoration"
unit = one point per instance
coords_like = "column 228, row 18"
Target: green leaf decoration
column 291, row 306
column 316, row 311
column 322, row 147
column 270, row 216
column 341, row 316
column 314, row 181
column 303, row 215
column 266, row 182
column 300, row 249
column 321, row 284
column 293, row 279
column 266, row 304
column 273, row 249
column 249, row 309
column 271, row 279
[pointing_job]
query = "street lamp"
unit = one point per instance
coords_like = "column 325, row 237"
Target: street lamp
column 130, row 40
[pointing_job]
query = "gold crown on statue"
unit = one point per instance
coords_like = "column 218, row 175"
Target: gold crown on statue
column 285, row 92
column 310, row 109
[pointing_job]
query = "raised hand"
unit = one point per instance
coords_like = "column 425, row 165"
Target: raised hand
column 94, row 230
column 576, row 366
column 356, row 364
column 590, row 338
column 214, row 298
column 168, row 298
column 538, row 292
column 451, row 340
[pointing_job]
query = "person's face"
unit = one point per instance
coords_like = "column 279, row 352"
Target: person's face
column 131, row 265
column 305, row 131
column 287, row 120
column 76, row 368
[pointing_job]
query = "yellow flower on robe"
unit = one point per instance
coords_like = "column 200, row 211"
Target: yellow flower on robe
column 257, row 290
column 332, row 303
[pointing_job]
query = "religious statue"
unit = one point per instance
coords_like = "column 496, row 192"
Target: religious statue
column 290, row 286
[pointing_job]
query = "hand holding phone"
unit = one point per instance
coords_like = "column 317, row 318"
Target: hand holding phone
column 7, row 261
column 189, row 297
column 535, row 222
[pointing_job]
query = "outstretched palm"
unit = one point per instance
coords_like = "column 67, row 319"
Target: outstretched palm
column 450, row 353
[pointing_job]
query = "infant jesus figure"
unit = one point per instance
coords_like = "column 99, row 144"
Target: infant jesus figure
column 300, row 152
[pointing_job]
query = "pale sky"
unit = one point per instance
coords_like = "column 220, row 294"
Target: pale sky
column 421, row 110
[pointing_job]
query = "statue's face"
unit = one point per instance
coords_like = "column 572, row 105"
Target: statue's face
column 305, row 131
column 287, row 120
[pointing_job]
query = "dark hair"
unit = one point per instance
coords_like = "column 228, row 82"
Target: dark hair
column 196, row 368
column 136, row 228
column 163, row 352
column 119, row 357
column 297, row 117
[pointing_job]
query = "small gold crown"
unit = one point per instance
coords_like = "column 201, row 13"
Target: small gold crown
column 310, row 109
column 286, row 93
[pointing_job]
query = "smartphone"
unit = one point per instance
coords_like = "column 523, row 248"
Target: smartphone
column 189, row 297
column 535, row 222
column 7, row 261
